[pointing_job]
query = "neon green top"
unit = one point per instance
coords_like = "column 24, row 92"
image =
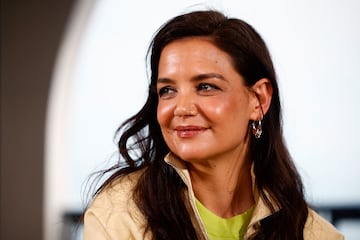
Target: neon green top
column 219, row 228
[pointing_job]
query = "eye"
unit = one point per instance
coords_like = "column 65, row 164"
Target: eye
column 166, row 92
column 207, row 87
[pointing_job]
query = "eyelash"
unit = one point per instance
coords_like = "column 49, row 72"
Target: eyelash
column 206, row 87
column 167, row 91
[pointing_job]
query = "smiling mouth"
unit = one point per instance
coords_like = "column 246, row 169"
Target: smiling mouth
column 189, row 131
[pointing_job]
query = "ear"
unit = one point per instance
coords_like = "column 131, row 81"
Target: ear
column 263, row 91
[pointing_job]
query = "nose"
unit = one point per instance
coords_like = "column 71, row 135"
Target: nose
column 185, row 106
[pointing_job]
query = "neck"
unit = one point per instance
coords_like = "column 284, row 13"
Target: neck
column 225, row 188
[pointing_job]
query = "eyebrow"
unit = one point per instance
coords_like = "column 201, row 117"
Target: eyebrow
column 164, row 80
column 196, row 78
column 206, row 76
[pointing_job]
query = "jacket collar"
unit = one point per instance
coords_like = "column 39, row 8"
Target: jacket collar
column 261, row 210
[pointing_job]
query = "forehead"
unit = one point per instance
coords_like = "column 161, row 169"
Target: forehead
column 194, row 59
column 195, row 50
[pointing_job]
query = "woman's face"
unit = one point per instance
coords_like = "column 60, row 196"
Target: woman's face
column 204, row 108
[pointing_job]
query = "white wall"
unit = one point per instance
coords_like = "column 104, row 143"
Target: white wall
column 316, row 51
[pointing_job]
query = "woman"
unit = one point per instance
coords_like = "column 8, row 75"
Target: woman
column 205, row 157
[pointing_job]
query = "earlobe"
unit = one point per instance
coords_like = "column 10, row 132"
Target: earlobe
column 263, row 93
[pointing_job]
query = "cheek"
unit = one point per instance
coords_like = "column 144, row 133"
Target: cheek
column 218, row 112
column 221, row 109
column 164, row 113
column 229, row 110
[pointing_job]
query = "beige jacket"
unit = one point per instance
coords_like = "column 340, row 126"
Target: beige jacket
column 114, row 215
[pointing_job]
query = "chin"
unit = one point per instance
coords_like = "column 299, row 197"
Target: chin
column 190, row 156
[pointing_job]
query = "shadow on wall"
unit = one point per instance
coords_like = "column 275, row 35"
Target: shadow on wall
column 31, row 32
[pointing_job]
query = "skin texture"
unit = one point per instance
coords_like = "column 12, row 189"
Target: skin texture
column 204, row 112
column 204, row 108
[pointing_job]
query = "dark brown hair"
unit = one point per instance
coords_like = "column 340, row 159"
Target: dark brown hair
column 159, row 193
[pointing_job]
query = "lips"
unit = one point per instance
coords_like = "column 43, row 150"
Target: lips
column 189, row 131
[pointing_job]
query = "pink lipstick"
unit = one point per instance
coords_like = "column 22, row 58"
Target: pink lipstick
column 189, row 131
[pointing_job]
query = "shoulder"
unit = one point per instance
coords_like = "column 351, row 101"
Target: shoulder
column 117, row 192
column 113, row 212
column 317, row 227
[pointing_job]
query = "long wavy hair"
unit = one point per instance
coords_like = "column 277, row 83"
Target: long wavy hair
column 160, row 192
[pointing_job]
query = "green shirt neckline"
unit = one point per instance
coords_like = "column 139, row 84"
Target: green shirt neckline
column 219, row 228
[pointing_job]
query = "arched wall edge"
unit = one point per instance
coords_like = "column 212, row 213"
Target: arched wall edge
column 56, row 119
